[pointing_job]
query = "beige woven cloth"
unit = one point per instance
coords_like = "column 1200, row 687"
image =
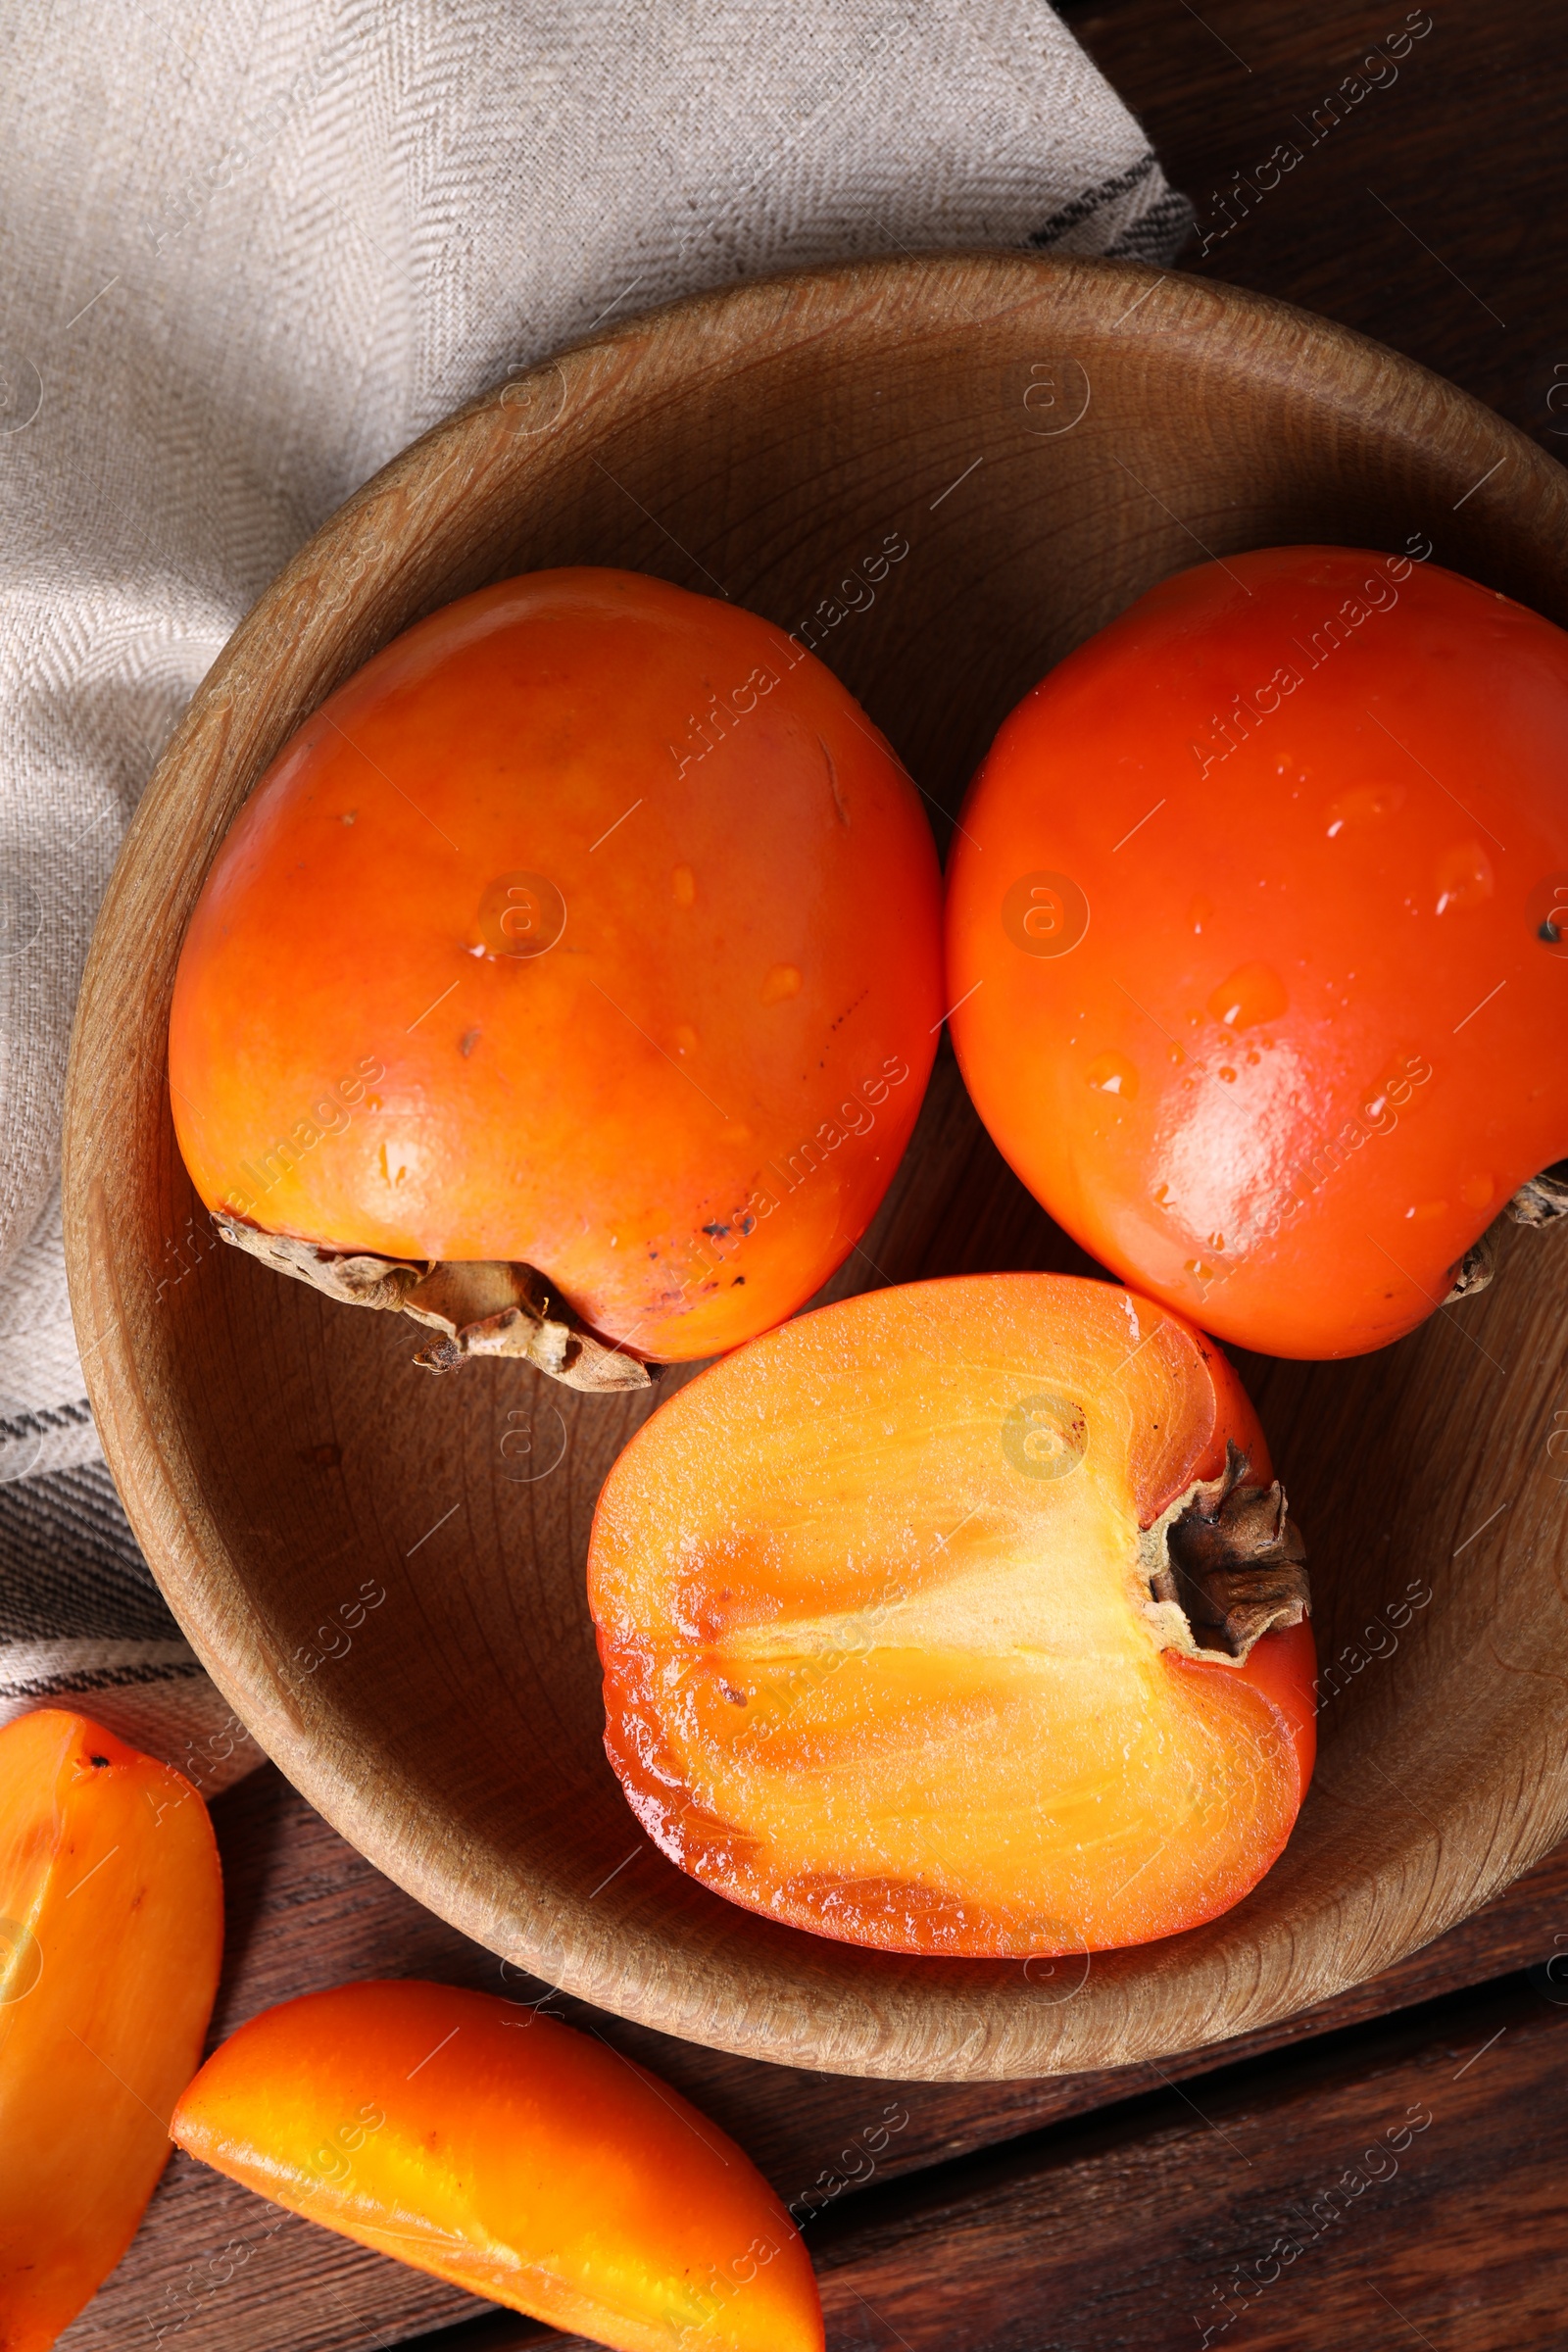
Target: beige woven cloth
column 250, row 249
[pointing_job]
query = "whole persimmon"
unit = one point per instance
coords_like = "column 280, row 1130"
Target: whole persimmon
column 963, row 1617
column 1259, row 916
column 590, row 931
column 493, row 2146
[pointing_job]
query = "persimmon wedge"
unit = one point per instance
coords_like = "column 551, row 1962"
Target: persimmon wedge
column 495, row 2148
column 963, row 1617
column 111, row 1936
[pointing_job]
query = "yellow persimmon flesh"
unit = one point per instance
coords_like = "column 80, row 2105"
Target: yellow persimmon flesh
column 883, row 1656
column 111, row 1936
column 477, row 2139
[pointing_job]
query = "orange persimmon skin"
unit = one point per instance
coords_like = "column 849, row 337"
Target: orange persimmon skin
column 111, row 1898
column 877, row 1658
column 477, row 2139
column 1312, row 1038
column 560, row 935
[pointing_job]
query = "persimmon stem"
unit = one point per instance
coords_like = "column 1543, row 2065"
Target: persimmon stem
column 1228, row 1557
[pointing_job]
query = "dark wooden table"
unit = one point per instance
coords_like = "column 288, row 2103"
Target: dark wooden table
column 1388, row 2170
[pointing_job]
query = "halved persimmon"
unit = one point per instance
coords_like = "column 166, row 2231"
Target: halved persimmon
column 963, row 1617
column 577, row 964
column 495, row 2147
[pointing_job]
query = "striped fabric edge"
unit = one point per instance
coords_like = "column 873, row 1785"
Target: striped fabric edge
column 1159, row 232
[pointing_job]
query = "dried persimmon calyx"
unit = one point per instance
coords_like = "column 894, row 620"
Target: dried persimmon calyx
column 360, row 1280
column 1475, row 1270
column 1225, row 1564
column 479, row 1306
column 1543, row 1199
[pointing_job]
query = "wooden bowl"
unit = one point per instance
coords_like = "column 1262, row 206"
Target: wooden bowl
column 1050, row 437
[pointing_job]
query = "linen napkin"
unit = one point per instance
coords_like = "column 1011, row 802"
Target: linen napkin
column 250, row 249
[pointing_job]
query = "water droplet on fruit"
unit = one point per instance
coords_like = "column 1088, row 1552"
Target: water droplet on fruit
column 1464, row 877
column 1425, row 1213
column 1229, row 1076
column 1252, row 993
column 1364, row 805
column 782, row 982
column 683, row 884
column 1476, row 1191
column 1113, row 1074
column 1199, row 913
column 685, row 1038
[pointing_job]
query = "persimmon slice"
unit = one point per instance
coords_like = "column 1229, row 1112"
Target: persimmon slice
column 962, row 1618
column 474, row 2138
column 110, row 1937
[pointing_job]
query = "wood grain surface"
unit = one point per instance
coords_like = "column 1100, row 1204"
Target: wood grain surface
column 1426, row 209
column 1342, row 2195
column 1130, row 2225
column 306, row 1911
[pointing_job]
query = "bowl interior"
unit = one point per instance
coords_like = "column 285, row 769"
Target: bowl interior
column 384, row 1572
